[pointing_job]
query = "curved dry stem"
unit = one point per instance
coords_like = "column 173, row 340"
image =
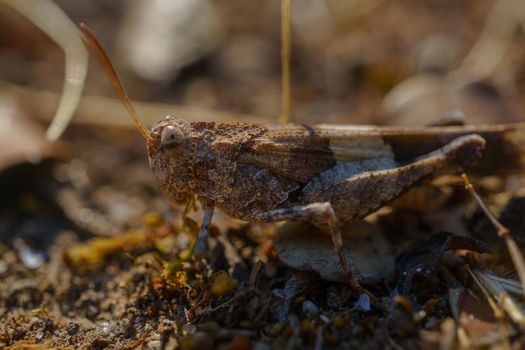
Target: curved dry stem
column 47, row 16
column 479, row 63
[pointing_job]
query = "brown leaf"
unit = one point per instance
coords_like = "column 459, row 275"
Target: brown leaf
column 425, row 258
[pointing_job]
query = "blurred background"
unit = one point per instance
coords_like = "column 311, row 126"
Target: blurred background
column 372, row 61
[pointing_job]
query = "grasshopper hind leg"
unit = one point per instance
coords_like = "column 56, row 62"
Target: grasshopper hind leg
column 359, row 188
column 322, row 212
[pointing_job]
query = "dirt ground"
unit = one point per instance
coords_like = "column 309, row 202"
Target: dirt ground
column 94, row 256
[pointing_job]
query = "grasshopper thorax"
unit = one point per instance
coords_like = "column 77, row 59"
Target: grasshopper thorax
column 170, row 153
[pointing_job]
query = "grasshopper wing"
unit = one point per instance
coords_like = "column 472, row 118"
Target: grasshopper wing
column 300, row 152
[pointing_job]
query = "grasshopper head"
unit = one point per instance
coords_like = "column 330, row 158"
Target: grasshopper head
column 170, row 154
column 169, row 141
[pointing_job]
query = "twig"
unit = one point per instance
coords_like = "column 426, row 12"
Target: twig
column 108, row 112
column 228, row 302
column 319, row 339
column 393, row 344
column 285, row 61
column 254, row 273
column 503, row 233
column 137, row 343
column 266, row 306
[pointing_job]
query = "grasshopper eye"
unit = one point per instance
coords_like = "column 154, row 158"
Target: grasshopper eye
column 171, row 137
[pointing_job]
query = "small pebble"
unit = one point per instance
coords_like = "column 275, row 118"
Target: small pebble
column 324, row 319
column 310, row 309
column 104, row 326
column 260, row 345
column 363, row 303
column 155, row 345
column 3, row 267
column 30, row 258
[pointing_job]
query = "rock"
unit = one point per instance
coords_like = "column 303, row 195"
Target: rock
column 302, row 246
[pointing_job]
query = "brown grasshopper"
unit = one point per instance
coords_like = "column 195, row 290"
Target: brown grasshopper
column 328, row 174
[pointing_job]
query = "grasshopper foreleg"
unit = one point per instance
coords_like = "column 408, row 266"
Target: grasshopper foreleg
column 208, row 207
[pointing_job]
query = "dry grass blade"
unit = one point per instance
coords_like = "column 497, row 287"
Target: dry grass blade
column 456, row 292
column 50, row 19
column 481, row 62
column 494, row 41
column 503, row 232
column 108, row 112
column 508, row 284
column 285, row 61
column 496, row 309
column 492, row 287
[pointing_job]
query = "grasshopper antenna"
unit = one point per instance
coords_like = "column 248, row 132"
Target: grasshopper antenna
column 94, row 44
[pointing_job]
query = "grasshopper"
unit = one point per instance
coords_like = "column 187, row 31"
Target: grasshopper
column 327, row 174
